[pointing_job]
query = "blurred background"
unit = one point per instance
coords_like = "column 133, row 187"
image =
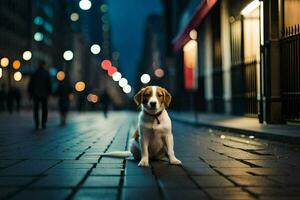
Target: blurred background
column 229, row 57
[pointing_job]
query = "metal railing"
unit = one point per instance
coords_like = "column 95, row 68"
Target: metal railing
column 244, row 88
column 290, row 73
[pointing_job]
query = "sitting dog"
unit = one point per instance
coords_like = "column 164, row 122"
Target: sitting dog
column 153, row 139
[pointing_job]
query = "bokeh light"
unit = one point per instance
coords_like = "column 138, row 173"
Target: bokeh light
column 0, row 72
column 60, row 75
column 116, row 76
column 106, row 64
column 123, row 82
column 111, row 71
column 95, row 49
column 193, row 34
column 115, row 55
column 85, row 4
column 74, row 17
column 16, row 64
column 92, row 98
column 4, row 62
column 159, row 72
column 79, row 86
column 68, row 55
column 145, row 78
column 38, row 36
column 17, row 76
column 127, row 89
column 103, row 8
column 27, row 55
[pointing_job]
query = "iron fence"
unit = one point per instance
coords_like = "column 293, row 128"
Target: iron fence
column 290, row 73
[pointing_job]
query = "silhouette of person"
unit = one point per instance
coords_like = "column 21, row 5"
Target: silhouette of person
column 39, row 89
column 2, row 98
column 63, row 92
column 105, row 102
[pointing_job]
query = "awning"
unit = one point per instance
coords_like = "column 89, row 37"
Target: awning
column 190, row 20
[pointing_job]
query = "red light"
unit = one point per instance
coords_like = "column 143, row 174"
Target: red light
column 111, row 71
column 106, row 64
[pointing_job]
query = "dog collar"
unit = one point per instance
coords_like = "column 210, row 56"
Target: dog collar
column 154, row 115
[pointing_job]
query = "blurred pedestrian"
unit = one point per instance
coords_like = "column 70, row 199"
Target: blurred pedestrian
column 64, row 90
column 2, row 97
column 39, row 89
column 105, row 100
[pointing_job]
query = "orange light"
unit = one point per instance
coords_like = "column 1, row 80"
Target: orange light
column 106, row 64
column 79, row 86
column 16, row 64
column 60, row 75
column 92, row 98
column 159, row 72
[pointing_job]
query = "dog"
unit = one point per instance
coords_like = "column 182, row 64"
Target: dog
column 153, row 139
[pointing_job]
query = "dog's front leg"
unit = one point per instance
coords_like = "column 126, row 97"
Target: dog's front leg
column 170, row 150
column 145, row 154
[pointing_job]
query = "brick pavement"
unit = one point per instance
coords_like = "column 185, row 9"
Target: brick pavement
column 64, row 163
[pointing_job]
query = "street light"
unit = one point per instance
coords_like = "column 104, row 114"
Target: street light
column 145, row 78
column 74, row 17
column 85, row 4
column 127, row 89
column 68, row 55
column 95, row 49
column 159, row 72
column 60, row 75
column 17, row 76
column 79, row 86
column 4, row 62
column 27, row 55
column 38, row 36
column 116, row 76
column 123, row 82
column 16, row 64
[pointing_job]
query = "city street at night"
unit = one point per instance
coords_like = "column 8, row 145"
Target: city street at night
column 149, row 99
column 65, row 162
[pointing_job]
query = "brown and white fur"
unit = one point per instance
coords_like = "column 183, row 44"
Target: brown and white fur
column 153, row 139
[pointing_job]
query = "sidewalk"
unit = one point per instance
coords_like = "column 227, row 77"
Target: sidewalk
column 240, row 124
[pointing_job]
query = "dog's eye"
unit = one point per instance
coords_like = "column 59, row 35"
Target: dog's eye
column 146, row 95
column 160, row 95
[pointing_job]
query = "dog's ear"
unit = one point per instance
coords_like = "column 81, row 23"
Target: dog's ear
column 167, row 97
column 138, row 98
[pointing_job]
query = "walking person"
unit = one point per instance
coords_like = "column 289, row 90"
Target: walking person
column 63, row 92
column 39, row 89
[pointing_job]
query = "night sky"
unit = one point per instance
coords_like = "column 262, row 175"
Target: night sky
column 127, row 24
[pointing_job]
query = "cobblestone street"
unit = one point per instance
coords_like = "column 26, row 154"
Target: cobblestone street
column 65, row 162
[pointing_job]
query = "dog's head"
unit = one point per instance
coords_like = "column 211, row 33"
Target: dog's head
column 153, row 99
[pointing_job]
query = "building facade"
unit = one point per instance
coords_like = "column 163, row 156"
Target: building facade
column 240, row 58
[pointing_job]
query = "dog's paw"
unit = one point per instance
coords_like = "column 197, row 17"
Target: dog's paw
column 144, row 163
column 175, row 161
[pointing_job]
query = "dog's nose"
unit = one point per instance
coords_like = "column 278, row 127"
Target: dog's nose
column 152, row 104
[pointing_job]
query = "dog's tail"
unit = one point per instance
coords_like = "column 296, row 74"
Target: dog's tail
column 134, row 148
column 117, row 154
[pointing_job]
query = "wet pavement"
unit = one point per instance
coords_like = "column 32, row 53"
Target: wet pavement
column 64, row 162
